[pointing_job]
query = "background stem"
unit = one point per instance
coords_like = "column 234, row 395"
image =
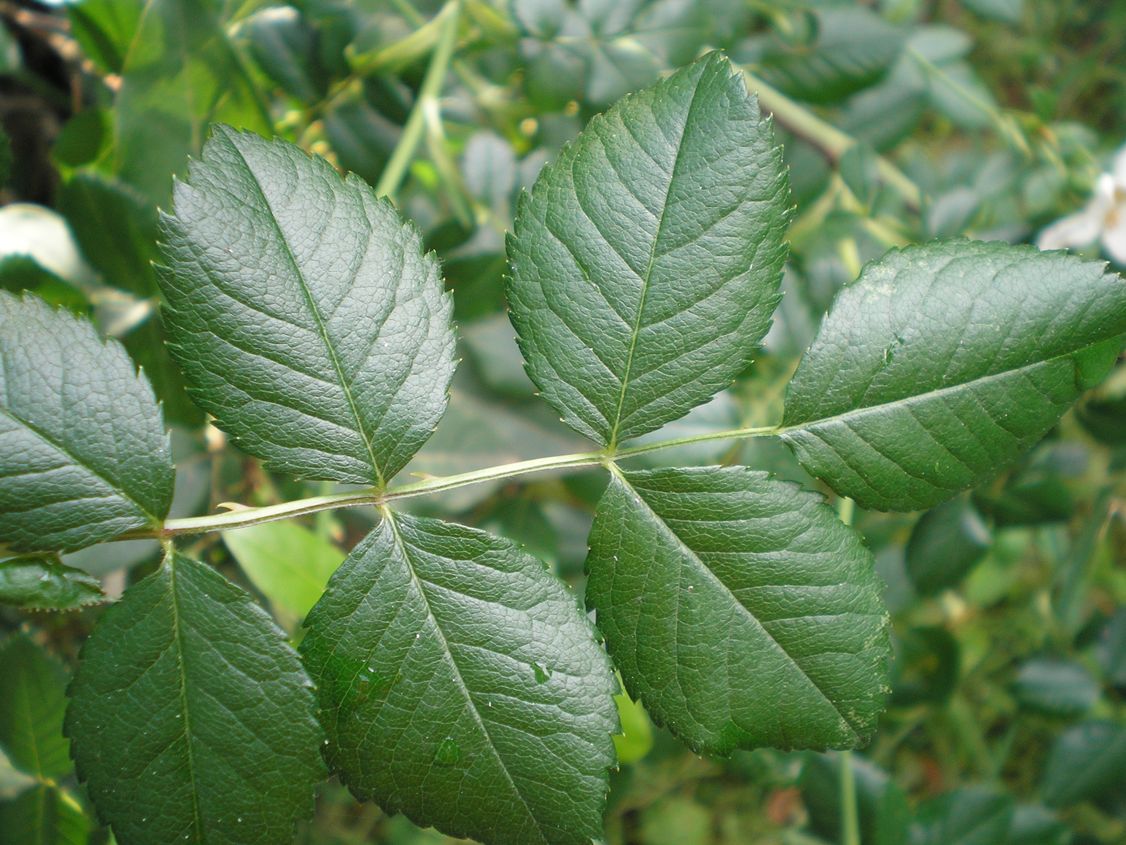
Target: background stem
column 396, row 168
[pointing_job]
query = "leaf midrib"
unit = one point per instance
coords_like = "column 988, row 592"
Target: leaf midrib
column 691, row 554
column 322, row 329
column 447, row 653
column 77, row 461
column 636, row 331
column 853, row 413
column 177, row 632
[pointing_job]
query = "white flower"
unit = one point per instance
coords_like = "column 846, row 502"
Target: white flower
column 1103, row 219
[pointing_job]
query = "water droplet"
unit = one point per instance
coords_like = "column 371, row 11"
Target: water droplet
column 542, row 673
column 448, row 753
column 363, row 687
column 418, row 636
column 325, row 742
column 691, row 588
column 240, row 819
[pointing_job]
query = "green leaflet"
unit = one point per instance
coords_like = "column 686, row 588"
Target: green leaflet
column 191, row 720
column 853, row 48
column 44, row 583
column 646, row 260
column 304, row 314
column 945, row 544
column 31, row 709
column 739, row 609
column 460, row 684
column 969, row 816
column 83, row 452
column 179, row 73
column 44, row 815
column 1086, row 762
column 943, row 362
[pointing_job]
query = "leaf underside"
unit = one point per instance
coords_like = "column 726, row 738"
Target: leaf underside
column 646, row 260
column 943, row 362
column 44, row 583
column 83, row 451
column 303, row 312
column 191, row 719
column 739, row 609
column 460, row 684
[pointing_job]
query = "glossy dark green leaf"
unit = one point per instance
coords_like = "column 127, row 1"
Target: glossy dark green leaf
column 191, row 719
column 32, row 708
column 943, row 362
column 1086, row 761
column 116, row 229
column 646, row 260
column 1104, row 417
column 1037, row 825
column 460, row 684
column 853, row 48
column 363, row 127
column 285, row 46
column 739, row 609
column 43, row 583
column 1112, row 649
column 83, row 452
column 1056, row 686
column 946, row 543
column 926, row 666
column 43, row 815
column 968, row 816
column 1007, row 11
column 882, row 808
column 304, row 314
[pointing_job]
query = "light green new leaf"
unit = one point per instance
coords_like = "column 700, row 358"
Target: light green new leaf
column 44, row 815
column 943, row 362
column 304, row 314
column 191, row 720
column 44, row 583
column 646, row 261
column 83, row 452
column 287, row 562
column 31, row 709
column 739, row 609
column 179, row 73
column 460, row 684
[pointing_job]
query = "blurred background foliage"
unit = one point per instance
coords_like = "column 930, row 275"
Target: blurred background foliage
column 902, row 120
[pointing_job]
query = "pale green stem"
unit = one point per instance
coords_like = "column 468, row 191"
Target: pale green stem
column 850, row 816
column 832, row 142
column 396, row 168
column 850, row 820
column 246, row 516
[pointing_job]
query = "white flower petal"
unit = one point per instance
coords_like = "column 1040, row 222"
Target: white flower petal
column 1074, row 230
column 1114, row 237
column 1118, row 169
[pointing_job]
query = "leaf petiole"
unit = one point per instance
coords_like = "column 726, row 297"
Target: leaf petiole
column 245, row 517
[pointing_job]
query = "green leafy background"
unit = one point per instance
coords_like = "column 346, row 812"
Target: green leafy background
column 1005, row 721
